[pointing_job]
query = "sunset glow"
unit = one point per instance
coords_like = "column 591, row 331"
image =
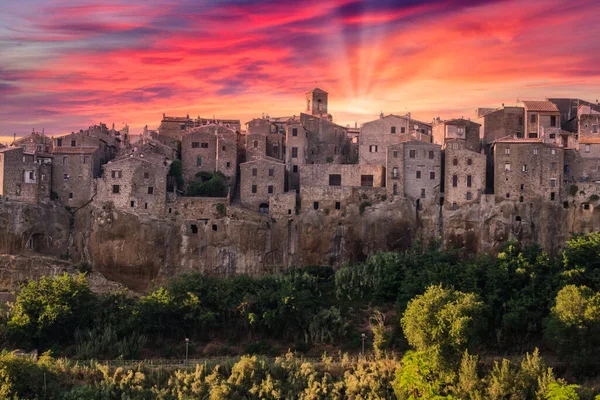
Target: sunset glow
column 68, row 64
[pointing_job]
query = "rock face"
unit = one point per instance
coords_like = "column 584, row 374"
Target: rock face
column 140, row 251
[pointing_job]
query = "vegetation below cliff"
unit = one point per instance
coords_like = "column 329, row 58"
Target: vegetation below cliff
column 451, row 305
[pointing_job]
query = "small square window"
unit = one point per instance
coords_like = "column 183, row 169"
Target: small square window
column 395, row 154
column 73, row 143
column 468, row 195
column 294, row 152
column 338, row 205
column 228, row 164
column 195, row 145
column 294, row 168
column 116, row 189
column 70, row 195
column 132, row 203
column 454, row 206
column 418, row 174
column 145, row 206
column 86, row 159
column 253, row 188
column 271, row 171
column 204, row 145
column 552, row 196
column 431, row 155
column 146, row 175
column 199, row 161
column 65, row 177
column 507, row 150
column 455, row 161
column 393, row 129
column 150, row 190
column 294, row 132
column 316, row 205
column 412, row 153
column 432, row 175
column 535, row 151
column 422, row 193
column 469, row 161
column 270, row 189
column 223, row 148
column 254, row 172
column 553, row 151
column 402, row 130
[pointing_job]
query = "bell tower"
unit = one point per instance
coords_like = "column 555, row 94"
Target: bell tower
column 316, row 102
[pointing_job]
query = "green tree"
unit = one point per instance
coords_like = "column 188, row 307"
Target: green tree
column 442, row 321
column 176, row 171
column 50, row 310
column 208, row 185
column 419, row 377
column 581, row 259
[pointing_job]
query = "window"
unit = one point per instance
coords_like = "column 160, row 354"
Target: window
column 116, row 189
column 520, row 199
column 145, row 206
column 65, row 160
column 198, row 161
column 432, row 175
column 552, row 182
column 150, row 190
column 70, row 195
column 65, row 177
column 524, row 168
column 395, row 188
column 468, row 195
column 132, row 203
column 270, row 189
column 335, row 180
column 271, row 171
column 43, row 177
column 520, row 120
column 194, row 228
column 422, row 193
column 86, row 159
column 469, row 161
column 214, row 227
column 373, row 149
column 254, row 172
column 507, row 167
column 455, row 146
column 294, row 132
column 587, row 148
column 553, row 151
column 553, row 166
column 204, row 145
column 182, row 127
column 453, row 206
column 395, row 153
column 255, row 144
column 195, row 145
column 338, row 205
column 594, row 128
column 116, row 174
column 552, row 196
column 418, row 174
column 316, row 205
column 469, row 180
column 395, row 172
column 253, row 188
column 552, row 136
column 533, row 118
column 59, row 142
column 366, row 180
column 228, row 164
column 73, row 143
column 393, row 129
column 455, row 161
column 294, row 152
column 18, row 189
column 535, row 151
column 508, row 195
column 294, row 168
column 507, row 150
column 522, row 187
column 412, row 153
column 454, row 180
column 402, row 130
column 586, row 206
column 553, row 120
column 223, row 148
column 431, row 154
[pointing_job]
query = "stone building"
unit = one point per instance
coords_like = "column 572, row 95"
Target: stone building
column 326, row 142
column 35, row 142
column 526, row 169
column 264, row 138
column 176, row 127
column 569, row 111
column 459, row 129
column 500, row 123
column 135, row 183
column 98, row 136
column 210, row 148
column 464, row 175
column 296, row 152
column 260, row 180
column 23, row 179
column 316, row 103
column 414, row 171
column 73, row 172
column 542, row 120
column 376, row 135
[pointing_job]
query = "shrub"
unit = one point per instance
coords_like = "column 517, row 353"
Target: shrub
column 208, row 185
column 573, row 189
column 176, row 171
column 221, row 209
column 364, row 205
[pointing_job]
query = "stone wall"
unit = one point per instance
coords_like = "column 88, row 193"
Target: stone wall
column 260, row 180
column 295, row 155
column 73, row 174
column 422, row 172
column 464, row 177
column 336, row 200
column 349, row 175
column 327, row 142
column 507, row 121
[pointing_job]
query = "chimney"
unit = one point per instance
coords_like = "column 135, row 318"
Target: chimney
column 381, row 115
column 502, row 105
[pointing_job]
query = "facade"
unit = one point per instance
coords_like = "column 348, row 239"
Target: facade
column 209, row 148
column 34, row 143
column 296, row 151
column 464, row 176
column 326, row 142
column 348, row 175
column 501, row 123
column 22, row 179
column 97, row 136
column 569, row 111
column 388, row 130
column 316, row 103
column 527, row 169
column 261, row 179
column 460, row 129
column 264, row 139
column 73, row 173
column 136, row 183
column 176, row 127
column 542, row 121
column 414, row 171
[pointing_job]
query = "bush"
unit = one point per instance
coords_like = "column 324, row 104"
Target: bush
column 208, row 185
column 573, row 189
column 364, row 205
column 176, row 171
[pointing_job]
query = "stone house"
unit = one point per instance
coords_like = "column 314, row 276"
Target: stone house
column 414, row 171
column 500, row 123
column 73, row 172
column 97, row 136
column 23, row 179
column 460, row 129
column 176, row 127
column 316, row 103
column 464, row 175
column 135, row 183
column 264, row 139
column 376, row 135
column 210, row 148
column 260, row 180
column 542, row 120
column 35, row 142
column 326, row 142
column 296, row 153
column 569, row 111
column 526, row 169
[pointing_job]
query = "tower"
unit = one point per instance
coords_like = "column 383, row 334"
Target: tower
column 316, row 102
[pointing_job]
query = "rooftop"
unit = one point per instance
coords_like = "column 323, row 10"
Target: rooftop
column 74, row 150
column 540, row 106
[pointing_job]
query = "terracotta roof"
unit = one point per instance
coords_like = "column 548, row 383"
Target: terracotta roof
column 74, row 150
column 589, row 140
column 519, row 140
column 540, row 106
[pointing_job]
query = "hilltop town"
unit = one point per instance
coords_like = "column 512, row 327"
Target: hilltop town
column 196, row 171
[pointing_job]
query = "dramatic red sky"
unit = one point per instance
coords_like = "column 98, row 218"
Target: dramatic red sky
column 65, row 65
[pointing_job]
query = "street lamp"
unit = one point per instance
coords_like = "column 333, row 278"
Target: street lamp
column 363, row 343
column 187, row 345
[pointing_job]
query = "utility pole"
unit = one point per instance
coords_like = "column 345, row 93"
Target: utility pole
column 363, row 344
column 187, row 345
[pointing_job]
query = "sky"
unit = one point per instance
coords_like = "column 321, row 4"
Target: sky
column 65, row 65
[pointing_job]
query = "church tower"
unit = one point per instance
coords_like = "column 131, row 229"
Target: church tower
column 316, row 102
